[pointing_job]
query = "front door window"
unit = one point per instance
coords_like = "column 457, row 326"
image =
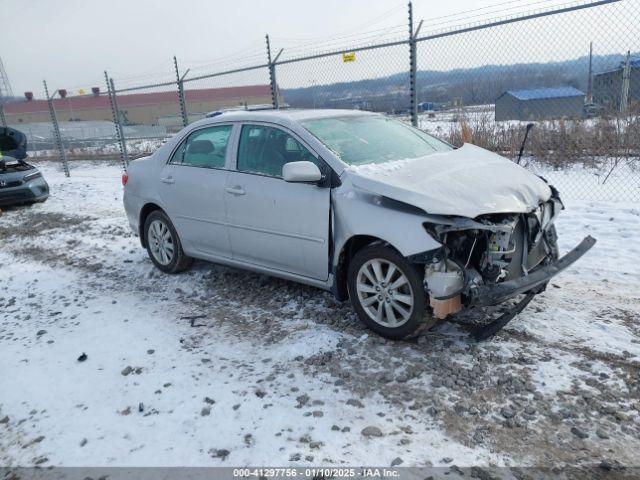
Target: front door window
column 265, row 150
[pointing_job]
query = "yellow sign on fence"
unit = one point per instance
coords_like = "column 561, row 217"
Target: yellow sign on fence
column 349, row 57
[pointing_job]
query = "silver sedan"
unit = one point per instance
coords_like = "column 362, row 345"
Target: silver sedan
column 408, row 228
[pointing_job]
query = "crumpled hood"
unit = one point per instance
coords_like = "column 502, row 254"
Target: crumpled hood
column 467, row 182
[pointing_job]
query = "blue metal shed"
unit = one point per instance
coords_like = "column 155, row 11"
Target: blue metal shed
column 540, row 103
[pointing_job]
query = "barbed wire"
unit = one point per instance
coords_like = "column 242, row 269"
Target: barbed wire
column 236, row 59
column 295, row 47
column 300, row 48
column 399, row 32
column 523, row 14
column 464, row 13
column 354, row 31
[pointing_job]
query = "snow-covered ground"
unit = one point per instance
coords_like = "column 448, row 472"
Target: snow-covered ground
column 223, row 367
column 101, row 148
column 440, row 123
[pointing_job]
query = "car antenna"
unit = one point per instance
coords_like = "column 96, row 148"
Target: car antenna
column 524, row 141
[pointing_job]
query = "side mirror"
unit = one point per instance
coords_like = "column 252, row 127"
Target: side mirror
column 301, row 172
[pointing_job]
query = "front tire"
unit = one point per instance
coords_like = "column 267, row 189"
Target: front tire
column 387, row 292
column 163, row 244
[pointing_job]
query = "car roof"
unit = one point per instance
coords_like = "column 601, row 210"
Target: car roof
column 283, row 116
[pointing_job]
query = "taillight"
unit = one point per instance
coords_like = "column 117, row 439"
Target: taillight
column 125, row 178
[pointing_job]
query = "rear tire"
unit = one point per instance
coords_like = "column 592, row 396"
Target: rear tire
column 163, row 244
column 387, row 292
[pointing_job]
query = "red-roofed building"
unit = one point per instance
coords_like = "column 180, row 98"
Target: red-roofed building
column 137, row 108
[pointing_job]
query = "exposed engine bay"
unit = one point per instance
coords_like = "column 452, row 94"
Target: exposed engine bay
column 486, row 251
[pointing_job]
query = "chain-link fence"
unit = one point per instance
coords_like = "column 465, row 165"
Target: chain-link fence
column 64, row 124
column 573, row 71
column 374, row 79
column 146, row 115
column 564, row 73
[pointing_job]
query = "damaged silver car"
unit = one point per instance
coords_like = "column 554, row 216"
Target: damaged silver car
column 408, row 228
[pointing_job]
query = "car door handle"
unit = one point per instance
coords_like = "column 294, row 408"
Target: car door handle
column 237, row 190
column 168, row 180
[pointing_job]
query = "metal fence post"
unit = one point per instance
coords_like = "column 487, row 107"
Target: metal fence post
column 3, row 119
column 56, row 131
column 272, row 75
column 626, row 75
column 124, row 158
column 413, row 67
column 180, row 83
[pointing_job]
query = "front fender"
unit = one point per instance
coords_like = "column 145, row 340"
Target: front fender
column 357, row 212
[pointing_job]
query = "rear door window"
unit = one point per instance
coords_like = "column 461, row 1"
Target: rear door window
column 205, row 148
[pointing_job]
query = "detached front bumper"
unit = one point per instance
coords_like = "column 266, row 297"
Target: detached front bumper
column 488, row 295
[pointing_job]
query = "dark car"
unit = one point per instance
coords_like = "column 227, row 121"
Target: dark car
column 20, row 182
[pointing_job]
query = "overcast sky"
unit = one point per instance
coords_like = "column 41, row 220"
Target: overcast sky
column 71, row 42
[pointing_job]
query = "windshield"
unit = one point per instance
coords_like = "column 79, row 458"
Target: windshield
column 365, row 139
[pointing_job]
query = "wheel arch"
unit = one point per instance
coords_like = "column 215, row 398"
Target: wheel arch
column 361, row 218
column 352, row 246
column 145, row 211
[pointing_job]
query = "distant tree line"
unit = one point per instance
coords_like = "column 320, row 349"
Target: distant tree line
column 473, row 86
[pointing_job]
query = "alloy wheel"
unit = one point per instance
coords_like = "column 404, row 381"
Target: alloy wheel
column 384, row 292
column 161, row 242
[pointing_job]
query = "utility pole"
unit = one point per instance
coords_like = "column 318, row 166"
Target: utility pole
column 626, row 75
